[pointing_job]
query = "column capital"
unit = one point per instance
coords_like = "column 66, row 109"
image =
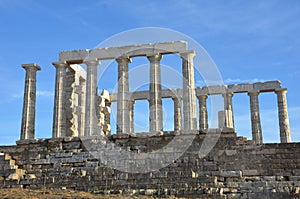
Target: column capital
column 31, row 66
column 91, row 62
column 281, row 90
column 187, row 54
column 154, row 57
column 202, row 96
column 123, row 59
column 176, row 98
column 230, row 94
column 253, row 93
column 132, row 101
column 60, row 64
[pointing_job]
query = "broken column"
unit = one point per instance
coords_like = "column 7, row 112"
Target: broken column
column 188, row 95
column 59, row 114
column 91, row 123
column 123, row 125
column 203, row 118
column 28, row 114
column 284, row 124
column 255, row 118
column 155, row 101
column 177, row 114
column 104, row 112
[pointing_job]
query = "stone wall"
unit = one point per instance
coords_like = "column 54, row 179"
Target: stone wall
column 235, row 168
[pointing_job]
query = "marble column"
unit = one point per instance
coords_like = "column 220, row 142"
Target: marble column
column 59, row 113
column 229, row 120
column 177, row 114
column 255, row 118
column 123, row 115
column 284, row 123
column 28, row 114
column 91, row 121
column 203, row 117
column 155, row 101
column 131, row 115
column 188, row 95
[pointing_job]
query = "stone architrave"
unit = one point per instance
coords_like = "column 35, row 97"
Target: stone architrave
column 255, row 118
column 91, row 121
column 123, row 115
column 59, row 113
column 188, row 91
column 284, row 123
column 28, row 114
column 155, row 101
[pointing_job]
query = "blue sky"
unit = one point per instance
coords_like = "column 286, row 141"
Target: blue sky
column 248, row 40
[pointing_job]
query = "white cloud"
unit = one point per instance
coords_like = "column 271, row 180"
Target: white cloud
column 230, row 81
column 238, row 80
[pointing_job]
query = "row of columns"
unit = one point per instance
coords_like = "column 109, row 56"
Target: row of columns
column 125, row 106
column 125, row 114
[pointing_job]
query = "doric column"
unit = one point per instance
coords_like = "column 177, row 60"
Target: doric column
column 177, row 114
column 284, row 123
column 203, row 118
column 229, row 120
column 155, row 101
column 188, row 95
column 131, row 114
column 59, row 113
column 28, row 115
column 255, row 118
column 91, row 121
column 123, row 116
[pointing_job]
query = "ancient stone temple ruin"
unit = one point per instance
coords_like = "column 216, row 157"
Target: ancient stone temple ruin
column 80, row 111
column 235, row 167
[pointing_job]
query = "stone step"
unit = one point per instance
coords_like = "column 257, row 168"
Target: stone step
column 4, row 156
column 9, row 169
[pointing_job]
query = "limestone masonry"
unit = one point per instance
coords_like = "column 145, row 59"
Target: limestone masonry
column 234, row 167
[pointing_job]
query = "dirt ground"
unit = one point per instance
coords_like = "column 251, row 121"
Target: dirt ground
column 19, row 193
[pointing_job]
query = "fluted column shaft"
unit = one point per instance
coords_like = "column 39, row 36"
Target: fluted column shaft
column 59, row 113
column 189, row 97
column 91, row 121
column 229, row 120
column 131, row 114
column 155, row 101
column 284, row 123
column 177, row 114
column 123, row 115
column 203, row 117
column 28, row 114
column 255, row 118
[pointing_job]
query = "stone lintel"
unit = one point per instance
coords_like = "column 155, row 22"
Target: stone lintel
column 77, row 56
column 267, row 86
column 240, row 88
